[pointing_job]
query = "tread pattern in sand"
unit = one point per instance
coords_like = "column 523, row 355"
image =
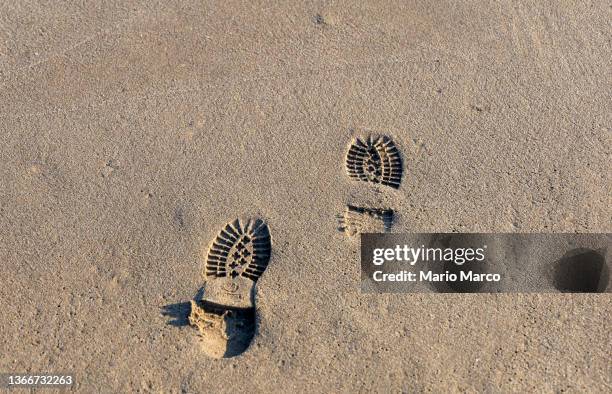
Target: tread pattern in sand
column 375, row 160
column 240, row 249
column 225, row 316
column 357, row 220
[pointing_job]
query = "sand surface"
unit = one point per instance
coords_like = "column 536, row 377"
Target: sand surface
column 130, row 135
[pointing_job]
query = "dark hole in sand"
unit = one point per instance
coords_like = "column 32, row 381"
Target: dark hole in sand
column 581, row 271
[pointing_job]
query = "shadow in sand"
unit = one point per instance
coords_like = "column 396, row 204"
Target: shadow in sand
column 178, row 313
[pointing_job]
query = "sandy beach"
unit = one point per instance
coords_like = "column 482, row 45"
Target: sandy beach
column 132, row 134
